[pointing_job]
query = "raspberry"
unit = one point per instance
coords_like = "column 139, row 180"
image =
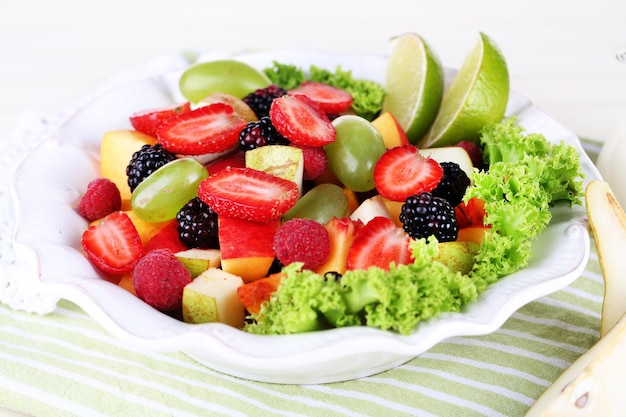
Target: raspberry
column 424, row 215
column 260, row 100
column 453, row 184
column 315, row 161
column 145, row 161
column 101, row 198
column 261, row 133
column 197, row 225
column 302, row 240
column 159, row 279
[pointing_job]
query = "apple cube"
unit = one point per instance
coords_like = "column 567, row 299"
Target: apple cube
column 247, row 247
column 116, row 151
column 212, row 297
column 341, row 232
column 146, row 230
column 370, row 208
column 199, row 260
column 392, row 133
column 254, row 294
column 450, row 154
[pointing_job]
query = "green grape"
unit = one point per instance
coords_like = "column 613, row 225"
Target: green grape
column 320, row 203
column 222, row 76
column 163, row 193
column 355, row 151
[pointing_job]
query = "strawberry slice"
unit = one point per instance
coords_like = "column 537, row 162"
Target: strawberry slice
column 113, row 243
column 301, row 121
column 248, row 194
column 147, row 121
column 331, row 100
column 402, row 172
column 209, row 129
column 379, row 243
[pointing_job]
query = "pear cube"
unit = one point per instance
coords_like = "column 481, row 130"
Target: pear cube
column 199, row 260
column 212, row 297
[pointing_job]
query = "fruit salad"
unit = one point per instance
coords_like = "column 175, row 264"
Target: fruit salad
column 283, row 200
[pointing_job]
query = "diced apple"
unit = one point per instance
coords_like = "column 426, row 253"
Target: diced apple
column 198, row 260
column 353, row 199
column 341, row 233
column 392, row 133
column 247, row 247
column 282, row 161
column 126, row 282
column 450, row 154
column 394, row 208
column 254, row 294
column 146, row 230
column 370, row 208
column 212, row 297
column 116, row 151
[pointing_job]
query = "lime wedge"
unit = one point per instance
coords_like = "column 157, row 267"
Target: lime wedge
column 477, row 96
column 414, row 84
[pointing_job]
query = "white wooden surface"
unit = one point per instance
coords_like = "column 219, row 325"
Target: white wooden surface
column 561, row 53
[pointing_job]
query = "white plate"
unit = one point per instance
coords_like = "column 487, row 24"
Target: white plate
column 50, row 181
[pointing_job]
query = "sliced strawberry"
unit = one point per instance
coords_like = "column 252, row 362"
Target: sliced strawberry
column 331, row 100
column 402, row 172
column 113, row 243
column 147, row 121
column 379, row 243
column 209, row 129
column 248, row 194
column 301, row 121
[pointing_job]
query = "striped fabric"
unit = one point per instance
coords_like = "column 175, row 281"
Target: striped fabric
column 64, row 364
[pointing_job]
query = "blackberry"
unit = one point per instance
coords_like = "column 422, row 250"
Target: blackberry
column 260, row 133
column 424, row 215
column 453, row 183
column 197, row 225
column 260, row 100
column 145, row 161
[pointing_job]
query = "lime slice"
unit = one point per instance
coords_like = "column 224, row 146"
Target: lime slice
column 414, row 85
column 477, row 96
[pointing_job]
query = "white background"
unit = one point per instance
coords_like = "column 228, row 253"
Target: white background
column 561, row 53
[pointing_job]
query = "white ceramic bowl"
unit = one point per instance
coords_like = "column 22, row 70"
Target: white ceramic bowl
column 50, row 181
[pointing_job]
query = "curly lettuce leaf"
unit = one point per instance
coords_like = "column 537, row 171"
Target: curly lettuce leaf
column 527, row 175
column 367, row 95
column 395, row 300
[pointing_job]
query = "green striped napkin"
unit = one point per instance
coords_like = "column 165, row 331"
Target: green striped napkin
column 64, row 364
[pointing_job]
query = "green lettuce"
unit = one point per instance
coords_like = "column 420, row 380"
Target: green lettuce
column 367, row 95
column 527, row 175
column 395, row 300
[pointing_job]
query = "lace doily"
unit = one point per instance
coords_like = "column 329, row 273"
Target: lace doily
column 19, row 287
